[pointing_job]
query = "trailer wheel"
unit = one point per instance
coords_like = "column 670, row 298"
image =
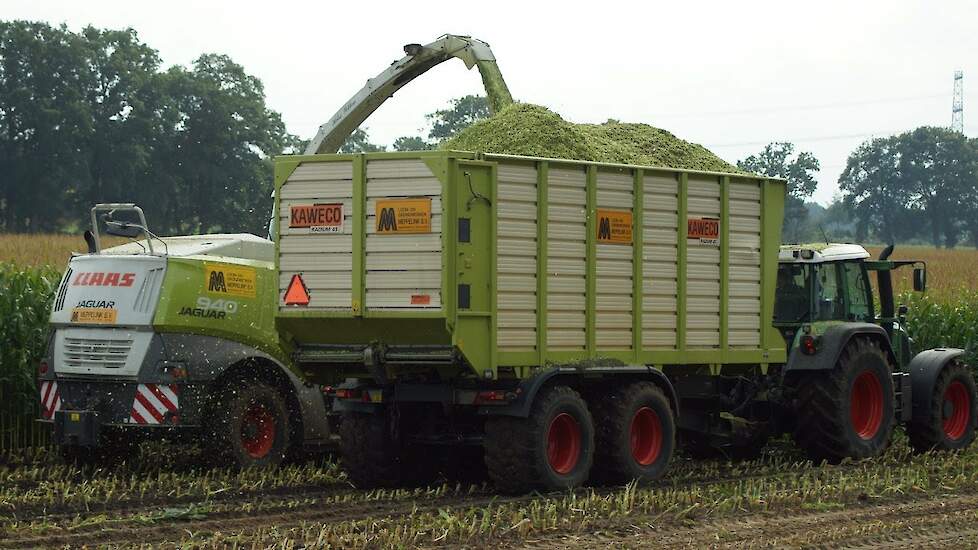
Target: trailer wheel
column 552, row 449
column 249, row 425
column 635, row 434
column 848, row 411
column 953, row 414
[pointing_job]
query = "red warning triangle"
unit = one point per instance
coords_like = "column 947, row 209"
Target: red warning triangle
column 297, row 294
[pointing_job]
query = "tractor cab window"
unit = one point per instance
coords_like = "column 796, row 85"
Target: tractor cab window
column 793, row 297
column 860, row 293
column 829, row 299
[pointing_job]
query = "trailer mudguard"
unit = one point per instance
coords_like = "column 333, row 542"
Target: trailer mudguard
column 208, row 358
column 530, row 387
column 924, row 369
column 830, row 346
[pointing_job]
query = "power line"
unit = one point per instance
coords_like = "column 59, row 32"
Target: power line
column 805, row 139
column 814, row 107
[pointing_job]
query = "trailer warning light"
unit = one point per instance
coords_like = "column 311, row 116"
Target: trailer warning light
column 297, row 294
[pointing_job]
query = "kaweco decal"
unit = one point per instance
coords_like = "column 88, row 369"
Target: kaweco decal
column 614, row 226
column 233, row 280
column 317, row 218
column 403, row 215
column 706, row 230
column 99, row 278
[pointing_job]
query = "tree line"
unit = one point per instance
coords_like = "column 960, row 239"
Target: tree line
column 93, row 116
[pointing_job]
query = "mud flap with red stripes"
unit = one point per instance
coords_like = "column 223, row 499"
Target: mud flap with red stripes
column 155, row 404
column 50, row 399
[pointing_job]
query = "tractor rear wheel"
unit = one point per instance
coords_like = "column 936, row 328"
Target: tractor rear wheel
column 847, row 411
column 635, row 434
column 950, row 422
column 249, row 425
column 552, row 449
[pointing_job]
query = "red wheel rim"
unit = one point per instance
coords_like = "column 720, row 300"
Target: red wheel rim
column 646, row 436
column 257, row 430
column 866, row 406
column 956, row 420
column 563, row 443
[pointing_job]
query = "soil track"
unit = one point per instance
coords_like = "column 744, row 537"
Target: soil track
column 942, row 522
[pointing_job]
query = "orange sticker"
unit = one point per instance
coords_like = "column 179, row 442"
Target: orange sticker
column 94, row 316
column 614, row 226
column 404, row 215
column 707, row 230
column 420, row 299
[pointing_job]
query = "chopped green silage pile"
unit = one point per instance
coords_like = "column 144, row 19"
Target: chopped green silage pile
column 532, row 130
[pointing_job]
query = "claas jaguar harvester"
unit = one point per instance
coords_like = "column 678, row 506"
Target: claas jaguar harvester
column 173, row 337
column 562, row 321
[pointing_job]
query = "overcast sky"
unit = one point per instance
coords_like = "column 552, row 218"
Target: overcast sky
column 731, row 75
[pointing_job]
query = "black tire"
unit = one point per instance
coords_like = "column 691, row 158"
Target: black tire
column 930, row 432
column 861, row 384
column 517, row 454
column 621, row 454
column 248, row 426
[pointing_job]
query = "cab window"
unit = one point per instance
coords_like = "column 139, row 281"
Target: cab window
column 860, row 306
column 828, row 292
column 793, row 296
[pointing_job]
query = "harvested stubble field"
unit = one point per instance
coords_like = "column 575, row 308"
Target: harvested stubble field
column 779, row 500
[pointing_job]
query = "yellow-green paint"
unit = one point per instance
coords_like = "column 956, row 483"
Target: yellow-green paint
column 473, row 331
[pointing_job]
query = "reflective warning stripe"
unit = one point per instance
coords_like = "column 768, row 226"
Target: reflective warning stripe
column 50, row 399
column 152, row 402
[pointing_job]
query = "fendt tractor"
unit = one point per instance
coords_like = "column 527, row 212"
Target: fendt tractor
column 561, row 321
column 173, row 337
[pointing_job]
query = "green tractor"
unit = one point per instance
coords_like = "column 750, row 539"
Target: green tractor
column 851, row 375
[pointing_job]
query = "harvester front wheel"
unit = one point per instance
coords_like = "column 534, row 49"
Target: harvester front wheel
column 551, row 449
column 950, row 422
column 249, row 425
column 847, row 411
column 635, row 434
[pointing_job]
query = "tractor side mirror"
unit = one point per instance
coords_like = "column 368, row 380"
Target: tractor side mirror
column 919, row 279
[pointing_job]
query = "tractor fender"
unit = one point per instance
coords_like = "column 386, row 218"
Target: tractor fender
column 924, row 369
column 211, row 360
column 530, row 387
column 830, row 346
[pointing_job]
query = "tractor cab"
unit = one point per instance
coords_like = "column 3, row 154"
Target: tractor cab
column 822, row 285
